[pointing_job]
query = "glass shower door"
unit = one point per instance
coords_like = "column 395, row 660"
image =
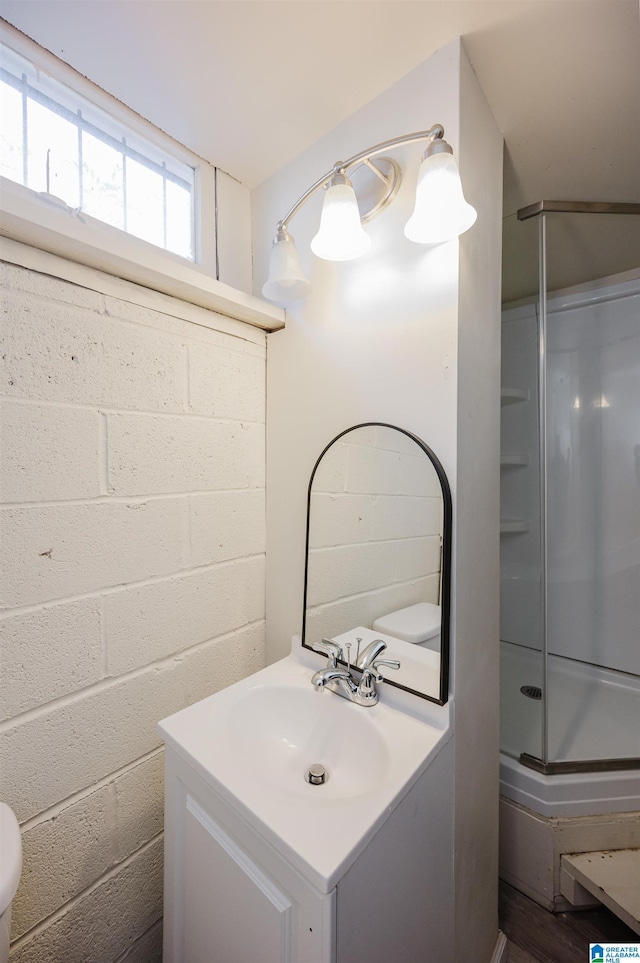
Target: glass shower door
column 570, row 489
column 593, row 489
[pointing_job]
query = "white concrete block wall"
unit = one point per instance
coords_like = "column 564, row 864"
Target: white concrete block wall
column 375, row 532
column 132, row 584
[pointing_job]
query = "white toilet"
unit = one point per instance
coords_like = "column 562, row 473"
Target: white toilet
column 419, row 624
column 10, row 869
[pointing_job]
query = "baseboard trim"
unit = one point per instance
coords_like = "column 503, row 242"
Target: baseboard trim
column 500, row 949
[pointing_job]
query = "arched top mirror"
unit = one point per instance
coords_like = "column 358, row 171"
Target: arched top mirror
column 378, row 559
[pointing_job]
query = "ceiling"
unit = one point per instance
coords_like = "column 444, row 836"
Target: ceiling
column 249, row 84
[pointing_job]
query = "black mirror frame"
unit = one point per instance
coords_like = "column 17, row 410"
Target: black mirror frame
column 445, row 575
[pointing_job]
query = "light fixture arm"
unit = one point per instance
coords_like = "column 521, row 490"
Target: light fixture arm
column 340, row 167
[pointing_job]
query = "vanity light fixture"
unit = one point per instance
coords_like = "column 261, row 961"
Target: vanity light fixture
column 441, row 212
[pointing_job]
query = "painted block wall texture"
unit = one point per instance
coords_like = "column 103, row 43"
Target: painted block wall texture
column 131, row 585
column 375, row 533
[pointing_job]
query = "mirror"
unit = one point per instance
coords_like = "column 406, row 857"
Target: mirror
column 378, row 560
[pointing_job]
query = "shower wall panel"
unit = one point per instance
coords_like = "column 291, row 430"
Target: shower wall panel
column 593, row 477
column 520, row 610
column 593, row 472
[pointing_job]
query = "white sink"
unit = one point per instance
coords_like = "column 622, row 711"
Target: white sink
column 254, row 741
column 278, row 731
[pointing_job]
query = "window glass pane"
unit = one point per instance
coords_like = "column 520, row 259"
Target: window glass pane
column 11, row 133
column 102, row 186
column 179, row 220
column 50, row 135
column 145, row 209
column 92, row 160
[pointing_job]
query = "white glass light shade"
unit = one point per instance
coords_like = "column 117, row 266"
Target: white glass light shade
column 441, row 212
column 341, row 236
column 286, row 282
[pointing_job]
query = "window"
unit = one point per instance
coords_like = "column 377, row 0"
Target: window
column 76, row 156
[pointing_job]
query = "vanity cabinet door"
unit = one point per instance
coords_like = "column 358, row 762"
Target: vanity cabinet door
column 233, row 911
column 229, row 897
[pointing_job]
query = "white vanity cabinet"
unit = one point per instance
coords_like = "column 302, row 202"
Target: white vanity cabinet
column 229, row 897
column 261, row 867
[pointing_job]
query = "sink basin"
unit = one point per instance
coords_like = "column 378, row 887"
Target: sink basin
column 278, row 731
column 253, row 742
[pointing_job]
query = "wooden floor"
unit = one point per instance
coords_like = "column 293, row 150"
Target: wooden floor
column 536, row 936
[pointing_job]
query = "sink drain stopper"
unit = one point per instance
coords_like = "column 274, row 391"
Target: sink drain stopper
column 316, row 774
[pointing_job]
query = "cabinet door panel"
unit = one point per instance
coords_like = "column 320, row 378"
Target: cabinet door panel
column 229, row 896
column 250, row 918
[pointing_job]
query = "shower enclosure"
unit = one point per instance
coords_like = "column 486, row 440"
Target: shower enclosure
column 570, row 496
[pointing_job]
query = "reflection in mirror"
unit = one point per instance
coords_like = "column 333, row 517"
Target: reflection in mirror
column 378, row 554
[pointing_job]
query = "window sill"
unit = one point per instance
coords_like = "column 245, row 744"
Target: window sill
column 29, row 220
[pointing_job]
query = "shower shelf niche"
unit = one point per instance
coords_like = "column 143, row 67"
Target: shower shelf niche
column 513, row 526
column 508, row 461
column 510, row 396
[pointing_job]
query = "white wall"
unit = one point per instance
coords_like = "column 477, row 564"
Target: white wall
column 476, row 523
column 379, row 340
column 132, row 485
column 233, row 232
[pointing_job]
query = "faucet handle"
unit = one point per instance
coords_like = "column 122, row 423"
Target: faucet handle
column 366, row 691
column 372, row 676
column 331, row 649
column 390, row 663
column 373, row 673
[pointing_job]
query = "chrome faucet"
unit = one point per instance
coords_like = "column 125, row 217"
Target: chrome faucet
column 367, row 657
column 338, row 680
column 362, row 691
